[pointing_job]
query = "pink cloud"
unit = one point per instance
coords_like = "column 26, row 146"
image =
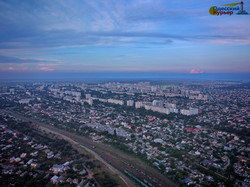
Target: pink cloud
column 46, row 69
column 48, row 64
column 195, row 71
column 10, row 68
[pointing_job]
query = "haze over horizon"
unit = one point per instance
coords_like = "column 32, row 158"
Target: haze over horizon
column 53, row 38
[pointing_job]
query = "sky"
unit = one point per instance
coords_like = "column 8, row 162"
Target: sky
column 100, row 36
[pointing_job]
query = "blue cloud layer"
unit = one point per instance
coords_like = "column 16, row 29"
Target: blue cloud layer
column 72, row 30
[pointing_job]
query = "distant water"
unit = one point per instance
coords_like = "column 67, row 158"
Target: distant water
column 125, row 76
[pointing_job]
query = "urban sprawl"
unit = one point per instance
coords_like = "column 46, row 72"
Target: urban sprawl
column 195, row 133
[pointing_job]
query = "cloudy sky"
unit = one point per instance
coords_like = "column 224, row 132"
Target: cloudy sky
column 122, row 36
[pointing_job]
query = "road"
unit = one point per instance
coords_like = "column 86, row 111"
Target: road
column 96, row 156
column 114, row 159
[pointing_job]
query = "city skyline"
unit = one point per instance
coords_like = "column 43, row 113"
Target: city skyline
column 186, row 133
column 121, row 36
